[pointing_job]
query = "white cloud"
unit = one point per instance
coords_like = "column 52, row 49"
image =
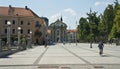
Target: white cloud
column 70, row 11
column 97, row 3
column 55, row 17
column 65, row 13
column 101, row 3
column 69, row 17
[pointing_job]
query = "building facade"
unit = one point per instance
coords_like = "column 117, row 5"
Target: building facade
column 24, row 18
column 58, row 31
column 72, row 35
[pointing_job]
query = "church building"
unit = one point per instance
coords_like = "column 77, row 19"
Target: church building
column 58, row 31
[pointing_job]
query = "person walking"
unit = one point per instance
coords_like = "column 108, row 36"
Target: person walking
column 91, row 44
column 45, row 44
column 100, row 46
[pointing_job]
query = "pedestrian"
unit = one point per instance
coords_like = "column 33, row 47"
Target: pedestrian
column 63, row 42
column 45, row 43
column 100, row 46
column 91, row 44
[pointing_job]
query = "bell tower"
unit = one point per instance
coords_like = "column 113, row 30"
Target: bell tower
column 61, row 19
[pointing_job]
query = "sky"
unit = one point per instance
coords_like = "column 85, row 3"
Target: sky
column 70, row 10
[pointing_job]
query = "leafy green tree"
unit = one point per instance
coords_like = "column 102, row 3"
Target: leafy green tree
column 93, row 24
column 83, row 28
column 116, row 5
column 106, row 25
column 102, row 29
column 117, row 22
column 108, row 19
column 115, row 32
column 81, row 23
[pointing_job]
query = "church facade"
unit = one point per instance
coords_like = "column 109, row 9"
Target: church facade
column 58, row 31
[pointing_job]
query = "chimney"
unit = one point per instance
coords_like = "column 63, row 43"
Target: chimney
column 10, row 11
column 26, row 7
column 10, row 6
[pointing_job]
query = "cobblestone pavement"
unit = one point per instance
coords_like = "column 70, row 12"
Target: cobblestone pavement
column 68, row 56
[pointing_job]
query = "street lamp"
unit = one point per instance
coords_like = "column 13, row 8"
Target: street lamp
column 70, row 38
column 8, row 34
column 19, row 29
column 0, row 45
column 76, row 33
column 30, row 39
column 76, row 37
column 91, row 33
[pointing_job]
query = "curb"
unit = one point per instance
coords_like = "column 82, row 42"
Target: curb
column 6, row 53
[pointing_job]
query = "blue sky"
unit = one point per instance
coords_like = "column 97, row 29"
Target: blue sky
column 70, row 10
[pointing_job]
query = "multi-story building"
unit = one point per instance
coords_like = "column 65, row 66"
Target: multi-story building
column 24, row 18
column 72, row 35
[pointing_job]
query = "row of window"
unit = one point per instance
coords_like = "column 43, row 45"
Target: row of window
column 37, row 24
column 14, row 22
column 14, row 31
column 60, row 32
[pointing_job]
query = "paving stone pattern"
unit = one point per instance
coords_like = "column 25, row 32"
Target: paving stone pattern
column 68, row 56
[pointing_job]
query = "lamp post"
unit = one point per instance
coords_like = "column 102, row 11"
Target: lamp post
column 19, row 29
column 8, row 35
column 70, row 38
column 30, row 39
column 76, row 33
column 91, row 33
column 76, row 37
column 0, row 45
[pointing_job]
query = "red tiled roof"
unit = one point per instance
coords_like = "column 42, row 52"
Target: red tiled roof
column 71, row 30
column 16, row 11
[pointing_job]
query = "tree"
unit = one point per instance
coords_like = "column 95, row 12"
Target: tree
column 115, row 32
column 83, row 28
column 93, row 24
column 117, row 22
column 102, row 28
column 116, row 5
column 105, row 26
column 108, row 19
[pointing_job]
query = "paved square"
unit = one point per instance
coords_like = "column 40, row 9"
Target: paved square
column 68, row 56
